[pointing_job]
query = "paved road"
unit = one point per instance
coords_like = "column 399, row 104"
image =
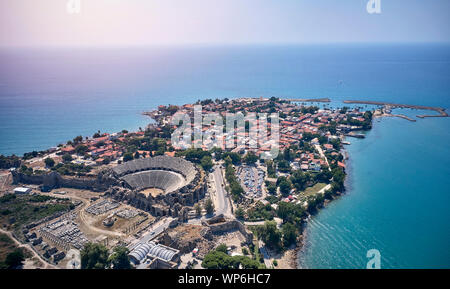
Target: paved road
column 323, row 155
column 266, row 256
column 154, row 231
column 224, row 206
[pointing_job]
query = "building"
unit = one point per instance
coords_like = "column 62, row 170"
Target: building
column 155, row 256
column 22, row 191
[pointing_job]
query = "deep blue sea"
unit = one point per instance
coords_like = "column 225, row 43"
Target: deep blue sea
column 398, row 185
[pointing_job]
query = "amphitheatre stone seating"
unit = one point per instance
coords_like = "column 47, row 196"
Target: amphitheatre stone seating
column 175, row 164
column 161, row 172
column 165, row 180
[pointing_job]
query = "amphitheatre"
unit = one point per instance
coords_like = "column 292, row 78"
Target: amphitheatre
column 164, row 173
column 161, row 185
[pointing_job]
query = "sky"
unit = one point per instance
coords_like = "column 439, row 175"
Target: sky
column 180, row 22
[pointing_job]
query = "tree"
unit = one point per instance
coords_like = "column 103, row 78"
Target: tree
column 9, row 162
column 67, row 158
column 289, row 234
column 49, row 162
column 285, row 187
column 228, row 161
column 240, row 213
column 209, row 206
column 81, row 149
column 270, row 169
column 290, row 212
column 222, row 248
column 299, row 180
column 235, row 157
column 78, row 139
column 94, row 256
column 271, row 188
column 270, row 235
column 250, row 158
column 119, row 258
column 283, row 166
column 14, row 259
column 127, row 157
column 219, row 260
column 206, row 163
column 198, row 209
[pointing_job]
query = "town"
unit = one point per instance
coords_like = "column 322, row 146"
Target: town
column 143, row 202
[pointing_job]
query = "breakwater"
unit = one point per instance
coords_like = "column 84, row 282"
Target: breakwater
column 440, row 110
column 309, row 100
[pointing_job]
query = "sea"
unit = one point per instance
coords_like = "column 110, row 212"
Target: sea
column 398, row 196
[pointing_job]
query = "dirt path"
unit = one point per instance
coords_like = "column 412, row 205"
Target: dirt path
column 28, row 247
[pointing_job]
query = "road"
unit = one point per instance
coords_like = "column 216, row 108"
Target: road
column 156, row 229
column 223, row 205
column 263, row 251
column 323, row 155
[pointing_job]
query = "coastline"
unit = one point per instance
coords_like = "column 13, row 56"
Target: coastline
column 301, row 243
column 300, row 246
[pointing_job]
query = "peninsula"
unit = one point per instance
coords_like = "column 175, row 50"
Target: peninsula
column 138, row 196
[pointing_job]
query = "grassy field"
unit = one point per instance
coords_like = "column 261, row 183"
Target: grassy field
column 313, row 190
column 19, row 210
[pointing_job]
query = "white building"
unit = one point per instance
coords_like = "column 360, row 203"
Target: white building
column 22, row 191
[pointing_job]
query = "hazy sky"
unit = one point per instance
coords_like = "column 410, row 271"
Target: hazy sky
column 144, row 22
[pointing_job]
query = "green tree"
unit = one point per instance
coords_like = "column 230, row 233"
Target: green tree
column 81, row 149
column 206, row 163
column 67, row 158
column 222, row 248
column 78, row 139
column 299, row 180
column 272, row 188
column 14, row 259
column 270, row 235
column 198, row 209
column 94, row 256
column 289, row 234
column 49, row 162
column 240, row 213
column 127, row 157
column 290, row 212
column 209, row 206
column 250, row 158
column 119, row 258
column 285, row 187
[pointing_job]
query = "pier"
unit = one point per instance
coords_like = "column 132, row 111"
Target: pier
column 309, row 100
column 440, row 110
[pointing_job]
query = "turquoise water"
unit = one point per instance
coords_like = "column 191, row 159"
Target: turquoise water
column 397, row 199
column 50, row 96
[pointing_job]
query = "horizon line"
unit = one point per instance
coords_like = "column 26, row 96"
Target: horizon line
column 219, row 44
